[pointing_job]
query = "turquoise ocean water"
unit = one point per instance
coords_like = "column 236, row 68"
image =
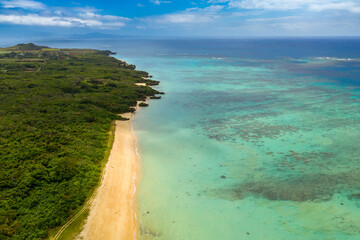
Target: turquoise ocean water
column 254, row 139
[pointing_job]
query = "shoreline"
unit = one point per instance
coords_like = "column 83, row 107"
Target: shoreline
column 113, row 210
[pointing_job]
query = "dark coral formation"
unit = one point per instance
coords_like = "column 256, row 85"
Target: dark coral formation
column 311, row 187
column 250, row 127
column 304, row 162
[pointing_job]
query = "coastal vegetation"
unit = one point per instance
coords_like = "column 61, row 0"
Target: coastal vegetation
column 142, row 104
column 56, row 110
column 155, row 97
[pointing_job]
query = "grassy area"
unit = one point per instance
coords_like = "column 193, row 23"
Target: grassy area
column 54, row 126
column 75, row 228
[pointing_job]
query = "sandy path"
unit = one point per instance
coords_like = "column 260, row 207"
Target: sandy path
column 112, row 213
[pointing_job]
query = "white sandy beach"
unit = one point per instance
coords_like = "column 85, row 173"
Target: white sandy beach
column 113, row 211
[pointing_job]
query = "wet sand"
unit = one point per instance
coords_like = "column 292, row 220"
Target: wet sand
column 113, row 211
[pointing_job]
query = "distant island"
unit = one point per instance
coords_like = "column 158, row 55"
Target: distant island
column 57, row 109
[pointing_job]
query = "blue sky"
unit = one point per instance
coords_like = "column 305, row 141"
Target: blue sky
column 180, row 18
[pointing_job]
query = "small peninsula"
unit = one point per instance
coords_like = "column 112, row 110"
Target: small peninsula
column 58, row 109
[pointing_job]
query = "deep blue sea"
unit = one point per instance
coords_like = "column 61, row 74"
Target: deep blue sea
column 254, row 139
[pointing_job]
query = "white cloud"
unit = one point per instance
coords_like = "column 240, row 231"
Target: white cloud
column 318, row 5
column 34, row 19
column 158, row 2
column 25, row 4
column 269, row 4
column 84, row 9
column 57, row 16
column 184, row 18
column 347, row 6
column 110, row 25
column 213, row 8
column 276, row 19
column 192, row 15
column 91, row 15
column 218, row 1
column 97, row 21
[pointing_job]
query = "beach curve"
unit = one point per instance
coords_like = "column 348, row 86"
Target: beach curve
column 113, row 210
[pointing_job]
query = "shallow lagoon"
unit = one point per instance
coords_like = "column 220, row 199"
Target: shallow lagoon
column 250, row 149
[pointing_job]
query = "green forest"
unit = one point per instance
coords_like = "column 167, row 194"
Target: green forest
column 57, row 107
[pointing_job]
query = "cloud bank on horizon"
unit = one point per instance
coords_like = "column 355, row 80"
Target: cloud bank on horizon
column 215, row 18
